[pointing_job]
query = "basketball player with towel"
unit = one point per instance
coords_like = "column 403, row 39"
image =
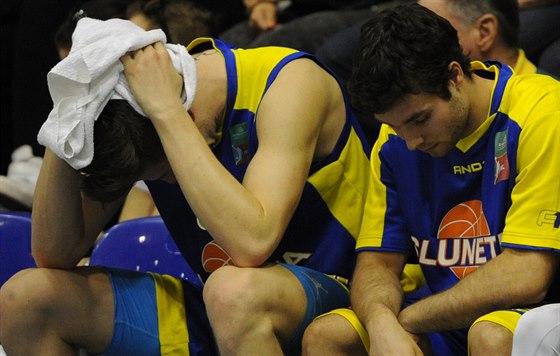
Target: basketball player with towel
column 260, row 176
column 466, row 178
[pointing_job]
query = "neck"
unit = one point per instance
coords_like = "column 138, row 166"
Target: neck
column 479, row 91
column 210, row 100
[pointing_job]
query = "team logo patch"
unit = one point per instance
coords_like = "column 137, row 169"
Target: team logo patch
column 239, row 135
column 214, row 257
column 501, row 163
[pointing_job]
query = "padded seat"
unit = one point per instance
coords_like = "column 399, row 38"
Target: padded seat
column 143, row 245
column 15, row 244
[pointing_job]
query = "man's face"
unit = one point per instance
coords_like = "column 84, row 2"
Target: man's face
column 429, row 123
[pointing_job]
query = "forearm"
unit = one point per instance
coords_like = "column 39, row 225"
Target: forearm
column 514, row 278
column 59, row 233
column 375, row 294
column 232, row 213
column 376, row 297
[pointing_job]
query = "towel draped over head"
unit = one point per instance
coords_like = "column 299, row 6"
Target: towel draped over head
column 81, row 84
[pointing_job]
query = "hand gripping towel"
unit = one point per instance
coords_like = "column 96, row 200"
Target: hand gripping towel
column 81, row 84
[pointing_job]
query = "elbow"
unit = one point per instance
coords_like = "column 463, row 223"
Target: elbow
column 530, row 293
column 47, row 259
column 250, row 259
column 253, row 254
column 536, row 293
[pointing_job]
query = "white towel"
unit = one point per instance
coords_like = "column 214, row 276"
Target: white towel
column 81, row 84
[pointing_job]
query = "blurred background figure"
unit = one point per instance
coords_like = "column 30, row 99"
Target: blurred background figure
column 539, row 33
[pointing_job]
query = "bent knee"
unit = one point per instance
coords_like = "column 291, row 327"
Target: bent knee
column 486, row 337
column 230, row 287
column 331, row 334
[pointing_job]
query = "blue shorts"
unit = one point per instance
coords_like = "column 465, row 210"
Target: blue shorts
column 324, row 293
column 158, row 315
column 161, row 315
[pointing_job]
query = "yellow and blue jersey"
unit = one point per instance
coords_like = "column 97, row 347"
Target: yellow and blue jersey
column 323, row 231
column 498, row 187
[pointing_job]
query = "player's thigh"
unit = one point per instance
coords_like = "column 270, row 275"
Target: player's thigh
column 77, row 304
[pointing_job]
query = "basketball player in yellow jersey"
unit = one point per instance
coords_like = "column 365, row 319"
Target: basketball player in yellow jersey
column 268, row 164
column 465, row 178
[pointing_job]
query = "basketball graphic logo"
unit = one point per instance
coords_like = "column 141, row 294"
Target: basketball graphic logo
column 464, row 221
column 214, row 257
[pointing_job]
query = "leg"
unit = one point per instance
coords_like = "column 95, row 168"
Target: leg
column 332, row 334
column 489, row 338
column 538, row 332
column 263, row 310
column 51, row 312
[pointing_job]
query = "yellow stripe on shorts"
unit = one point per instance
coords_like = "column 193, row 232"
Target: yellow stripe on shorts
column 506, row 318
column 352, row 318
column 172, row 319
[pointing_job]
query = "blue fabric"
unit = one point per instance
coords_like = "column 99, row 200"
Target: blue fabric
column 136, row 322
column 323, row 294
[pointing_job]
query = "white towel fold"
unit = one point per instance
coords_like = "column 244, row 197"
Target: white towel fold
column 81, row 84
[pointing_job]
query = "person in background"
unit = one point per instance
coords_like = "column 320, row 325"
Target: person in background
column 181, row 20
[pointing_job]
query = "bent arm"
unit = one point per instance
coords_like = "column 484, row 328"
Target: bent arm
column 514, row 278
column 247, row 219
column 65, row 225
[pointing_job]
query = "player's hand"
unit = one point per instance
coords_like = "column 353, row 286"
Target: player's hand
column 392, row 339
column 153, row 80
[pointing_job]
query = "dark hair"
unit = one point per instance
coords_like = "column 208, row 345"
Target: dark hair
column 97, row 9
column 126, row 144
column 404, row 50
column 506, row 11
column 181, row 20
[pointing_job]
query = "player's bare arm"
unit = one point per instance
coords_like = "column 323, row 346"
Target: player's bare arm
column 247, row 219
column 514, row 278
column 65, row 223
column 376, row 297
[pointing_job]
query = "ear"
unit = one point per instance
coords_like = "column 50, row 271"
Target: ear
column 458, row 74
column 487, row 27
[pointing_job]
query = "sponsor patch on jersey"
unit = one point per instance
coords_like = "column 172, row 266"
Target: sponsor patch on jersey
column 239, row 135
column 501, row 163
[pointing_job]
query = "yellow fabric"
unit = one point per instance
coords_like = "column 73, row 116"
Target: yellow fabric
column 523, row 64
column 412, row 278
column 172, row 319
column 344, row 184
column 352, row 318
column 506, row 318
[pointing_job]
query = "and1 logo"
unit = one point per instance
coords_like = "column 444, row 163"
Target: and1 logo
column 501, row 168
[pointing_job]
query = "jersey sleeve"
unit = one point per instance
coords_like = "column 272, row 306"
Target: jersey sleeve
column 383, row 227
column 533, row 220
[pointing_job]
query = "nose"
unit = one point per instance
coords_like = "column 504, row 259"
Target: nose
column 412, row 139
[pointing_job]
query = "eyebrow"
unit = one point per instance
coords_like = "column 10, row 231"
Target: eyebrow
column 412, row 117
